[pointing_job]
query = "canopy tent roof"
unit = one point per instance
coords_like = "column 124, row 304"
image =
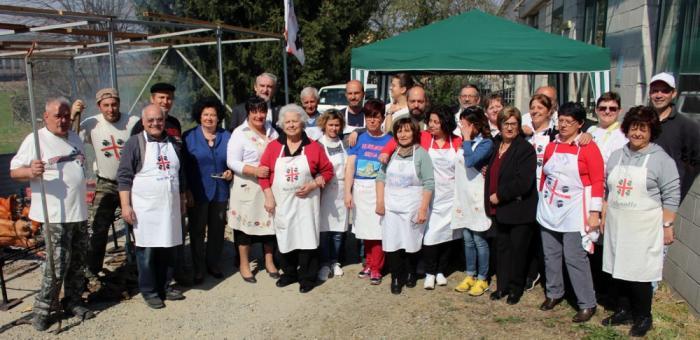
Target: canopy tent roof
column 482, row 43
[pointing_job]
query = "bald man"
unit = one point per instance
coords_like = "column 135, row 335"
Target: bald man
column 355, row 95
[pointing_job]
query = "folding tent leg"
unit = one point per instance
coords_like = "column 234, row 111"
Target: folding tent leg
column 148, row 80
column 201, row 77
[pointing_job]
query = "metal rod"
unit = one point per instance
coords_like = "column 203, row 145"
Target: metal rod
column 220, row 65
column 148, row 80
column 112, row 57
column 284, row 63
column 158, row 48
column 37, row 150
column 199, row 75
column 65, row 25
column 73, row 81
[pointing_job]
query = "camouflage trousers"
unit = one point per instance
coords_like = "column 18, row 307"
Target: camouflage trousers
column 101, row 216
column 69, row 247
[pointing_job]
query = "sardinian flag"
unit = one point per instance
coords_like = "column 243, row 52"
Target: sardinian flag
column 291, row 31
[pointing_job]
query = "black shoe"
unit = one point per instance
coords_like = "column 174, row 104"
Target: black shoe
column 513, row 299
column 411, row 280
column 174, row 295
column 305, row 288
column 621, row 317
column 274, row 275
column 285, row 280
column 584, row 315
column 550, row 303
column 395, row 286
column 154, row 302
column 641, row 326
column 41, row 322
column 249, row 279
column 497, row 295
column 214, row 272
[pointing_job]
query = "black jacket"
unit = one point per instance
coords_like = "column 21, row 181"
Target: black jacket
column 517, row 193
column 239, row 115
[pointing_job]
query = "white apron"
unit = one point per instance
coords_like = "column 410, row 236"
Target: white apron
column 539, row 142
column 634, row 236
column 403, row 192
column 155, row 196
column 438, row 228
column 247, row 202
column 366, row 224
column 296, row 219
column 563, row 201
column 469, row 210
column 334, row 214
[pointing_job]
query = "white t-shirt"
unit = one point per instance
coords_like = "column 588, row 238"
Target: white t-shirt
column 64, row 176
column 107, row 139
column 242, row 148
column 608, row 140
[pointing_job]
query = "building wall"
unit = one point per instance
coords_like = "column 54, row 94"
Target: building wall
column 631, row 29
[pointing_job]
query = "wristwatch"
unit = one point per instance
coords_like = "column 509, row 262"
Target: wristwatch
column 668, row 224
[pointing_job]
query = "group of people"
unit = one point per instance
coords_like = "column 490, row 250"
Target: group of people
column 531, row 196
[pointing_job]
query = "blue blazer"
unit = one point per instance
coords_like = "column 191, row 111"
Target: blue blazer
column 202, row 161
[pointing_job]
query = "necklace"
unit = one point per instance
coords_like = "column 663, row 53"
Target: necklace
column 502, row 149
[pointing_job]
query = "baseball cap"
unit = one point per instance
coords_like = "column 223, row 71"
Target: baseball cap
column 106, row 93
column 664, row 77
column 162, row 87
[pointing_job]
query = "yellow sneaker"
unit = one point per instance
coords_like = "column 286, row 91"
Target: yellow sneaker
column 479, row 288
column 467, row 283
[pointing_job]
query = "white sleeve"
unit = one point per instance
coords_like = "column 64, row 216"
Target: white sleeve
column 86, row 127
column 24, row 155
column 234, row 152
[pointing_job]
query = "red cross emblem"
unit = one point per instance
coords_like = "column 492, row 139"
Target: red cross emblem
column 163, row 163
column 292, row 174
column 112, row 147
column 624, row 186
column 552, row 192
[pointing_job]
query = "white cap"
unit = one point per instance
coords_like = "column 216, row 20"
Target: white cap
column 664, row 77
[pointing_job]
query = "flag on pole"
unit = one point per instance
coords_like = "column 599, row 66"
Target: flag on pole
column 291, row 31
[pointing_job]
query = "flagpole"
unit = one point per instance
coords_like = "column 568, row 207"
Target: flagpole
column 284, row 62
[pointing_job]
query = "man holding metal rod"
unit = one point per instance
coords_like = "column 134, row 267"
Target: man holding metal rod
column 62, row 166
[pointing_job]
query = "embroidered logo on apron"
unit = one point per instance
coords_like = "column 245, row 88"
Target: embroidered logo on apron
column 624, row 187
column 163, row 162
column 292, row 174
column 551, row 192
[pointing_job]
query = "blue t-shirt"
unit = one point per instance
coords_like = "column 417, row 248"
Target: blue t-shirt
column 367, row 151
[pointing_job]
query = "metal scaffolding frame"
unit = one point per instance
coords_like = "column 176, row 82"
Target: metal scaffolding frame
column 116, row 40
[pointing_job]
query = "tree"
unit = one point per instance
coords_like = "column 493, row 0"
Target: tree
column 329, row 30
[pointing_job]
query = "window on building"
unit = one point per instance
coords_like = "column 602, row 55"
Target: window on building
column 595, row 16
column 533, row 20
column 557, row 26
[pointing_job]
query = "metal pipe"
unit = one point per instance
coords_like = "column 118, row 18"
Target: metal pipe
column 73, row 81
column 149, row 49
column 148, row 80
column 112, row 57
column 37, row 150
column 284, row 62
column 220, row 65
column 65, row 25
column 199, row 75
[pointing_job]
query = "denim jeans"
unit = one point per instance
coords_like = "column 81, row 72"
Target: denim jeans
column 156, row 267
column 476, row 247
column 330, row 245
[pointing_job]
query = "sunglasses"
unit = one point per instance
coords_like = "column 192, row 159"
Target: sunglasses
column 608, row 108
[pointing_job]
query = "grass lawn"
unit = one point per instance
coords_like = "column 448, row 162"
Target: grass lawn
column 11, row 133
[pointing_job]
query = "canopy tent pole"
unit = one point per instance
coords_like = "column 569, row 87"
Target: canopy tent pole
column 204, row 80
column 73, row 80
column 286, row 84
column 37, row 150
column 112, row 56
column 136, row 100
column 220, row 66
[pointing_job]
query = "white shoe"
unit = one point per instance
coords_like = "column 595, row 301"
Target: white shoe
column 324, row 273
column 441, row 280
column 429, row 282
column 337, row 270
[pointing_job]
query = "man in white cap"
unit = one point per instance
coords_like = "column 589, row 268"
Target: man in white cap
column 680, row 135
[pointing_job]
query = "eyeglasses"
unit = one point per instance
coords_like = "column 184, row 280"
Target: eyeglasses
column 566, row 122
column 608, row 108
column 469, row 96
column 510, row 125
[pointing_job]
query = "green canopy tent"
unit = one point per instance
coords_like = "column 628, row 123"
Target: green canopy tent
column 477, row 42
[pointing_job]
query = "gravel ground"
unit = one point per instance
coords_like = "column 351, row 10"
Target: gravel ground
column 345, row 307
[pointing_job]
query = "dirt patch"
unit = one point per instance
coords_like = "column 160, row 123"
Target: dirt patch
column 345, row 307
